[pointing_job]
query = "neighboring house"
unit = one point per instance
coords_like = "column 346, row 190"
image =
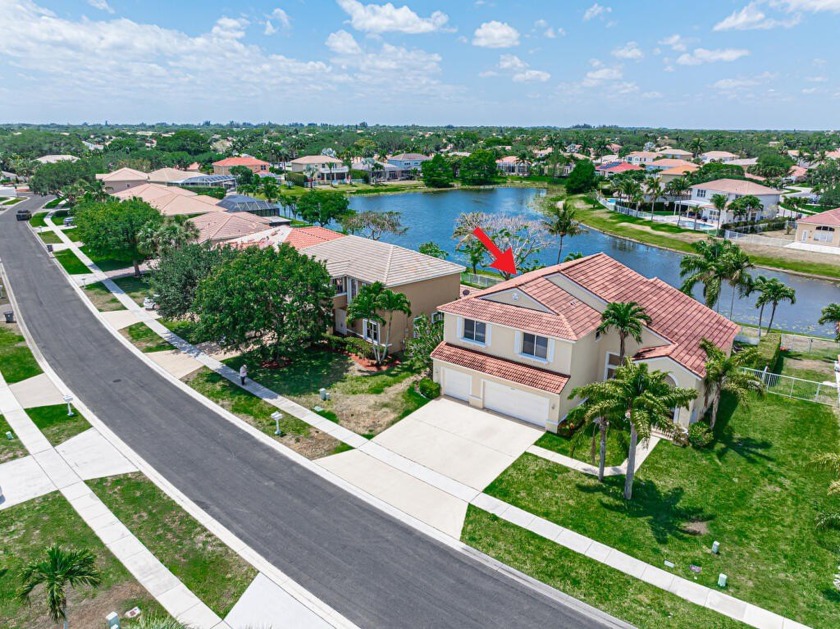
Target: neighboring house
column 197, row 180
column 171, row 200
column 222, row 167
column 52, row 159
column 668, row 175
column 665, row 164
column 122, row 179
column 195, row 167
column 353, row 262
column 325, row 169
column 166, row 176
column 702, row 193
column 216, row 227
column 384, row 171
column 796, row 174
column 615, row 168
column 638, row 158
column 511, row 165
column 820, row 229
column 717, row 156
column 670, row 153
column 243, row 203
column 520, row 347
column 745, row 162
column 407, row 163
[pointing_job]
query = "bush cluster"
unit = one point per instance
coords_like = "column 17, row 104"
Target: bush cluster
column 700, row 435
column 428, row 388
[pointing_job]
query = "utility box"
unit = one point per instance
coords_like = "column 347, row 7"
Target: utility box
column 113, row 620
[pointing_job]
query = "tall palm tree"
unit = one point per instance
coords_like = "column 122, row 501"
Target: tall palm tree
column 726, row 373
column 627, row 188
column 831, row 314
column 774, row 292
column 60, row 569
column 628, row 319
column 719, row 201
column 654, row 190
column 559, row 220
column 735, row 266
column 378, row 304
column 677, row 188
column 599, row 410
column 758, row 285
column 696, row 146
column 704, row 268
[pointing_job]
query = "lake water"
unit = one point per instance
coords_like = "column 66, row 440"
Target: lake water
column 430, row 216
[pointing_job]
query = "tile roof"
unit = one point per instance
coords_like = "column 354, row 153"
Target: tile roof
column 623, row 167
column 670, row 163
column 165, row 175
column 316, row 159
column 670, row 151
column 220, row 226
column 679, row 170
column 123, row 174
column 645, row 154
column 829, row 217
column 409, row 156
column 718, row 154
column 501, row 368
column 735, row 186
column 171, row 200
column 298, row 237
column 240, row 161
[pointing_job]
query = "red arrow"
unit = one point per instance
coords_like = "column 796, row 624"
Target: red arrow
column 502, row 261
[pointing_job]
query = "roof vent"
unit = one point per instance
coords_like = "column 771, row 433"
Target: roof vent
column 515, row 296
column 573, row 302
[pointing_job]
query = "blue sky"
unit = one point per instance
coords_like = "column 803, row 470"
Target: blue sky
column 678, row 63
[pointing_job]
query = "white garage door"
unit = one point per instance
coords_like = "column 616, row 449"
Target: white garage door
column 457, row 384
column 516, row 403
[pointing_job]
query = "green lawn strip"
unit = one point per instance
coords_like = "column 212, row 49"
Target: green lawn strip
column 16, row 360
column 411, row 401
column 214, row 572
column 51, row 238
column 187, row 330
column 54, row 422
column 342, row 447
column 798, row 266
column 135, row 287
column 755, row 491
column 52, row 204
column 621, row 595
column 617, row 445
column 28, row 530
column 244, row 405
column 37, row 220
column 72, row 234
column 13, row 201
column 102, row 298
column 9, row 448
column 145, row 338
column 71, row 262
column 105, row 263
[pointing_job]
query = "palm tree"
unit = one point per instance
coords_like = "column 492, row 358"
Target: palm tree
column 599, row 410
column 726, row 373
column 60, row 569
column 560, row 221
column 628, row 319
column 575, row 255
column 735, row 266
column 758, row 285
column 677, row 188
column 270, row 189
column 831, row 314
column 719, row 202
column 773, row 292
column 378, row 304
column 705, row 268
column 654, row 189
column 627, row 188
column 696, row 146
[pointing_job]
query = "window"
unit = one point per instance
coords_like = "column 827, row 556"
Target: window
column 437, row 316
column 612, row 364
column 340, row 286
column 536, row 346
column 823, row 233
column 701, row 194
column 371, row 331
column 475, row 331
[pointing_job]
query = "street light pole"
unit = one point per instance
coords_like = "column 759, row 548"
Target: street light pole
column 69, row 398
column 277, row 416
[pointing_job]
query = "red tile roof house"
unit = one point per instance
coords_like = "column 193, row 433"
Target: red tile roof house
column 223, row 166
column 519, row 348
column 608, row 170
column 821, row 229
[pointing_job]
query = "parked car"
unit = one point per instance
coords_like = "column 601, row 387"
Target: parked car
column 68, row 221
column 24, row 215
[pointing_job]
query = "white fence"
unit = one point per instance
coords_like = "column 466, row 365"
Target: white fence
column 756, row 239
column 673, row 219
column 484, row 281
column 797, row 388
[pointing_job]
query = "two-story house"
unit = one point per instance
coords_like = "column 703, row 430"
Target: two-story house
column 323, row 168
column 640, row 158
column 256, row 166
column 702, row 193
column 520, row 348
column 408, row 164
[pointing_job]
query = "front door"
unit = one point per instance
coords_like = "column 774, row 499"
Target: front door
column 340, row 321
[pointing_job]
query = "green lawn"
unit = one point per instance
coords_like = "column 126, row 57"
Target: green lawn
column 135, row 287
column 102, row 298
column 580, row 447
column 13, row 201
column 104, row 262
column 54, row 422
column 186, row 329
column 616, row 593
column 9, row 448
column 71, row 262
column 16, row 360
column 51, row 238
column 52, row 204
column 28, row 529
column 216, row 574
column 37, row 220
column 754, row 491
column 145, row 338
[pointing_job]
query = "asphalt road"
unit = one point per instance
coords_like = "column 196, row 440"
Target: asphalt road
column 373, row 569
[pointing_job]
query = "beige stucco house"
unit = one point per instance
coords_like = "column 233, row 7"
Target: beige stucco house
column 820, row 229
column 122, row 179
column 520, row 348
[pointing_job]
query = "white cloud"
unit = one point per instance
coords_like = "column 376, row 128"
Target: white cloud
column 495, row 34
column 374, row 18
column 816, row 79
column 343, row 43
column 652, row 95
column 270, row 29
column 813, row 6
column 630, row 50
column 596, row 10
column 732, row 84
column 751, row 17
column 487, row 74
column 601, row 74
column 549, row 31
column 529, row 76
column 102, row 5
column 675, row 42
column 699, row 56
column 279, row 16
column 810, row 90
column 511, row 62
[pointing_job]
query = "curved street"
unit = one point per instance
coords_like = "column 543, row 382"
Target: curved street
column 371, row 568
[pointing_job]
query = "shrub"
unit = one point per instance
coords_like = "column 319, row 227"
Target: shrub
column 428, row 388
column 700, row 435
column 359, row 346
column 360, row 174
column 299, row 179
column 336, row 343
column 769, row 351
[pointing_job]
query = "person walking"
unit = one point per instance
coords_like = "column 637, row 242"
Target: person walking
column 243, row 373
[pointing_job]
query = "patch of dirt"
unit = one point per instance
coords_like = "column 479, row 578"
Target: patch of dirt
column 104, row 302
column 810, row 365
column 317, row 445
column 696, row 528
column 366, row 413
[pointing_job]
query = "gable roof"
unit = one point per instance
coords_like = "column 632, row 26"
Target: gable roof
column 298, row 237
column 669, row 162
column 166, row 175
column 240, row 161
column 123, row 174
column 219, row 226
column 829, row 217
column 735, row 186
column 409, row 157
column 316, row 159
column 679, row 170
column 623, row 167
column 171, row 200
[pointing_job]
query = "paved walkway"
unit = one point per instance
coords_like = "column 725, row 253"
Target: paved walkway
column 47, row 469
column 643, row 450
column 701, row 595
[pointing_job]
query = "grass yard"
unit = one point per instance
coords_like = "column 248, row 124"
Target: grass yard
column 214, row 572
column 606, row 588
column 13, row 201
column 72, row 234
column 16, row 360
column 71, row 263
column 298, row 435
column 618, row 442
column 105, row 263
column 50, row 238
column 28, row 529
column 186, row 329
column 55, row 424
column 135, row 287
column 145, row 338
column 102, row 298
column 364, row 402
column 37, row 220
column 755, row 491
column 9, row 448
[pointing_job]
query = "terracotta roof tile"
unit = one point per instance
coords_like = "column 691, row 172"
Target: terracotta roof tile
column 501, row 368
column 829, row 217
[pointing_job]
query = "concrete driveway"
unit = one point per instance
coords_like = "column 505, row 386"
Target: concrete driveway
column 466, row 444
